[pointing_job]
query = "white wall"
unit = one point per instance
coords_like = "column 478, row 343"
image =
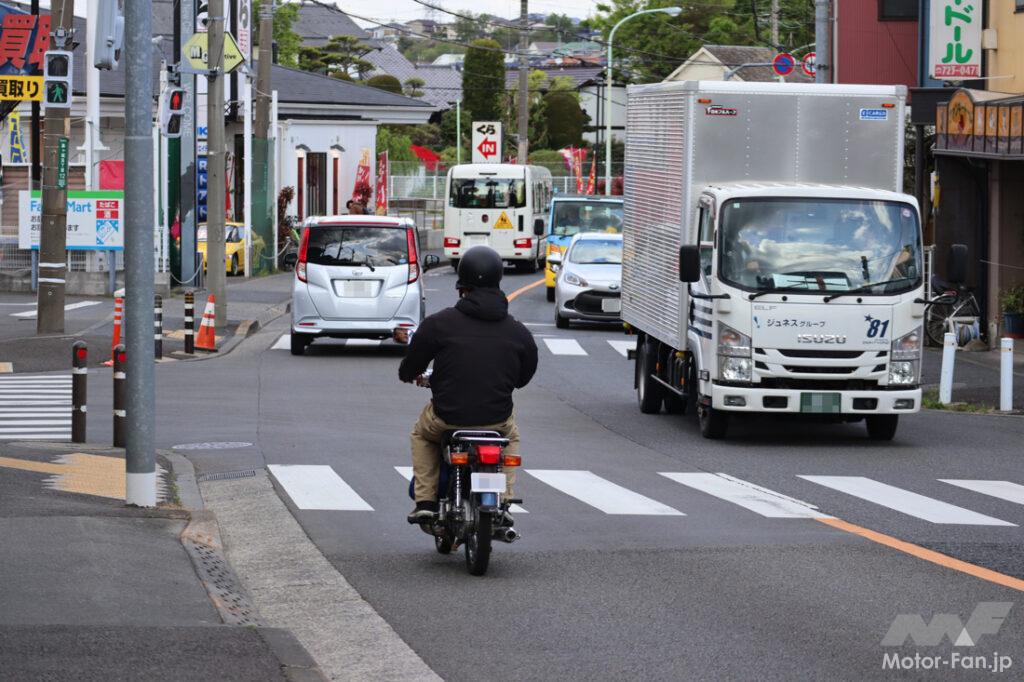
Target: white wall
column 588, row 100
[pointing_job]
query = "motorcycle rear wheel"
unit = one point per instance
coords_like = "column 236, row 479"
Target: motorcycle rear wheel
column 478, row 545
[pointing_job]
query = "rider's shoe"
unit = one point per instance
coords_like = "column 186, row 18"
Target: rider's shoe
column 425, row 512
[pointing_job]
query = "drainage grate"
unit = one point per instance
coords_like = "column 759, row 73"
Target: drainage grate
column 219, row 580
column 226, row 475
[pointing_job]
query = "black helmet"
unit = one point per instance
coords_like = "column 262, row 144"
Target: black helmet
column 481, row 266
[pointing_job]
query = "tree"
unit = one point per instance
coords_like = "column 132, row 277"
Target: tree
column 448, row 136
column 468, row 29
column 564, row 119
column 413, row 87
column 537, row 85
column 341, row 56
column 484, row 91
column 562, row 27
column 396, row 143
column 285, row 37
column 387, row 82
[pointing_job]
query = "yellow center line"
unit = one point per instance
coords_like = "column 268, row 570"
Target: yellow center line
column 927, row 554
column 523, row 290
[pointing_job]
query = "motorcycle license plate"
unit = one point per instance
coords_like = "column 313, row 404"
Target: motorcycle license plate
column 487, row 483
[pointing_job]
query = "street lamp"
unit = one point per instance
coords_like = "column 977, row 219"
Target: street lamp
column 672, row 12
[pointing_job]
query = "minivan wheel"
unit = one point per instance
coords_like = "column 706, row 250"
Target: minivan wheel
column 299, row 343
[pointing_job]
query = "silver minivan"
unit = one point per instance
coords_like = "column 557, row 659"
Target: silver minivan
column 357, row 277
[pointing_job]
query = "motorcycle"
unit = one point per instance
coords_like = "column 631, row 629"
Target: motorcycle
column 470, row 510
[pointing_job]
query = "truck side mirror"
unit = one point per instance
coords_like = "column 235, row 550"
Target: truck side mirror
column 538, row 227
column 689, row 263
column 956, row 264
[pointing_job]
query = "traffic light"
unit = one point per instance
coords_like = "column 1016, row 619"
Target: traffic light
column 109, row 38
column 57, row 74
column 171, row 110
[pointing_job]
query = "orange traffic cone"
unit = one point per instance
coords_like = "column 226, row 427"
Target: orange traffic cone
column 206, row 339
column 116, row 338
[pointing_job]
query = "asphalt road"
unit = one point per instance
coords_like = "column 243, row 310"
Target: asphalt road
column 643, row 577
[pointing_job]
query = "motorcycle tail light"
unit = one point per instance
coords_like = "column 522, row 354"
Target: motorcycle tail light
column 489, row 454
column 460, row 457
column 511, row 460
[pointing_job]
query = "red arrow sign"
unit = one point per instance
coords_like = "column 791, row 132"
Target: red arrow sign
column 488, row 148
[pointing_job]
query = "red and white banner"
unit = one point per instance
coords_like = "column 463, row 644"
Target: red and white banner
column 362, row 191
column 382, row 183
column 592, row 179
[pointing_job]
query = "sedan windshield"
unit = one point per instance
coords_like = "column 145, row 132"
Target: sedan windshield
column 488, row 192
column 597, row 251
column 820, row 245
column 359, row 246
column 571, row 217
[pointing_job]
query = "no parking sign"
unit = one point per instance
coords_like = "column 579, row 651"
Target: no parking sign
column 784, row 64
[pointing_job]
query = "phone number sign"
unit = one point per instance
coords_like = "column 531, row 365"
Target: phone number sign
column 94, row 223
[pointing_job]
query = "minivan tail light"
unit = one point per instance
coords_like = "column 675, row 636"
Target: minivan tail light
column 414, row 266
column 523, row 243
column 300, row 264
column 452, row 242
column 489, row 454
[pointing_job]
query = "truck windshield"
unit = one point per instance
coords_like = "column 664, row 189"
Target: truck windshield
column 488, row 193
column 820, row 245
column 570, row 217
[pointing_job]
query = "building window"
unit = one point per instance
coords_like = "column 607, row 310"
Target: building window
column 899, row 10
column 1020, row 6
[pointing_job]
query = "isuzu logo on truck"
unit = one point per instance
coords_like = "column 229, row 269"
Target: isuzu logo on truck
column 821, row 338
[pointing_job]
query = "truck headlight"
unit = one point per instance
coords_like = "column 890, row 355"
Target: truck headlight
column 732, row 343
column 735, row 369
column 908, row 346
column 903, row 372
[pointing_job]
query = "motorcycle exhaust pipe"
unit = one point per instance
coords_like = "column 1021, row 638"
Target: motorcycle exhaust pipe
column 509, row 535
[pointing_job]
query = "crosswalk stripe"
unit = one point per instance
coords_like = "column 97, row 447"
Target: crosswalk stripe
column 317, row 487
column 33, row 422
column 747, row 495
column 564, row 347
column 35, row 391
column 623, row 347
column 406, row 473
column 1004, row 490
column 19, row 403
column 17, row 380
column 905, row 501
column 602, row 494
column 35, row 407
column 283, row 343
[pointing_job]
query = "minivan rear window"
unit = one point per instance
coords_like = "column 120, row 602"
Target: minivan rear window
column 358, row 245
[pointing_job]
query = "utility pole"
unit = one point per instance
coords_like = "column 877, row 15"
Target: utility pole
column 140, row 453
column 262, row 203
column 185, row 26
column 823, row 41
column 266, row 58
column 216, row 262
column 775, row 24
column 524, row 82
column 53, row 233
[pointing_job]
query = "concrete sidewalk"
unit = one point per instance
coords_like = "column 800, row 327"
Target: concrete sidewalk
column 976, row 375
column 94, row 590
column 250, row 303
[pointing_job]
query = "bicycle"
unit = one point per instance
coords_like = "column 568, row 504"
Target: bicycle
column 956, row 310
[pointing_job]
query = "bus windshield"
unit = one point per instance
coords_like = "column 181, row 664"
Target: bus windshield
column 820, row 245
column 571, row 217
column 488, row 192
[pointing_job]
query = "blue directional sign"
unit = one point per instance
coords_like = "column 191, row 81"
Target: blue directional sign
column 784, row 64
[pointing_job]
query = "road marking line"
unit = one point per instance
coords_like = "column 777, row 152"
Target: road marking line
column 1004, row 490
column 564, row 347
column 539, row 324
column 317, row 487
column 602, row 494
column 927, row 554
column 34, row 392
column 406, row 473
column 905, row 501
column 28, row 411
column 522, row 290
column 20, row 403
column 69, row 306
column 283, row 343
column 623, row 347
column 20, row 379
column 759, row 500
column 42, row 420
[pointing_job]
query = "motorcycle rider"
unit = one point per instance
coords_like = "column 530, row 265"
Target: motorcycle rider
column 480, row 354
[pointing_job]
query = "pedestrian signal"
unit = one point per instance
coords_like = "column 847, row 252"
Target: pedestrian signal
column 171, row 111
column 57, row 73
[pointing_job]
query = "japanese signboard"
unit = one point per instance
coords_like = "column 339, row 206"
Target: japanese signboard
column 381, row 206
column 21, row 88
column 486, row 142
column 24, row 39
column 94, row 221
column 955, row 40
column 197, row 49
column 62, row 163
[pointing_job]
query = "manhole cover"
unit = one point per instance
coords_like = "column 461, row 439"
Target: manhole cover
column 214, row 445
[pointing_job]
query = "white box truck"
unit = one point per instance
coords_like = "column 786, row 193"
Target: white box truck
column 771, row 261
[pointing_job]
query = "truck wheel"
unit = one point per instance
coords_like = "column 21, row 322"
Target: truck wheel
column 527, row 266
column 455, row 264
column 648, row 391
column 713, row 423
column 882, row 426
column 551, row 294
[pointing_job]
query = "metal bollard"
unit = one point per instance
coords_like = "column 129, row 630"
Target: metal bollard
column 1006, row 375
column 79, row 375
column 946, row 376
column 190, row 325
column 120, row 422
column 158, row 327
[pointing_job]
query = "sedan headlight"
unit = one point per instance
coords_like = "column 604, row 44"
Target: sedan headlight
column 735, row 369
column 732, row 343
column 574, row 279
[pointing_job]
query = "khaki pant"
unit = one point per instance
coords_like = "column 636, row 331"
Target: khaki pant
column 426, row 450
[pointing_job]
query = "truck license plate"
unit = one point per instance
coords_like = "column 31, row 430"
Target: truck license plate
column 487, row 483
column 611, row 305
column 821, row 403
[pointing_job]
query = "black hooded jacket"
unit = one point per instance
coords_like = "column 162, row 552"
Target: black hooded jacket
column 480, row 355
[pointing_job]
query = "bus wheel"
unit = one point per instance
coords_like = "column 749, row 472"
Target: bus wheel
column 455, row 264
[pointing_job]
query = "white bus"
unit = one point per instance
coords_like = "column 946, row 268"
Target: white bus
column 504, row 206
